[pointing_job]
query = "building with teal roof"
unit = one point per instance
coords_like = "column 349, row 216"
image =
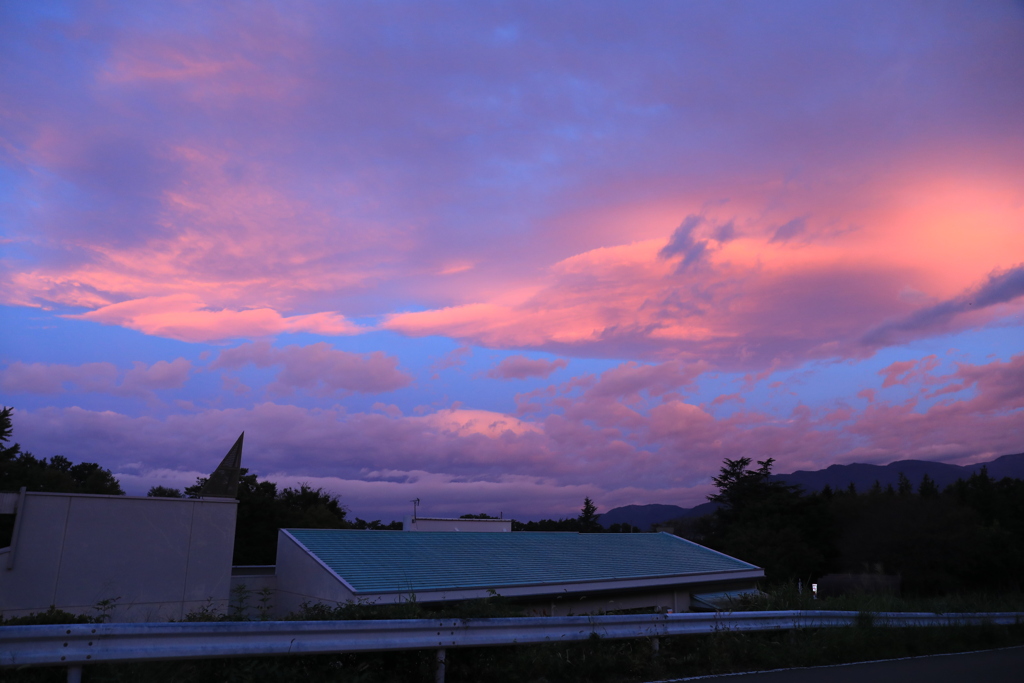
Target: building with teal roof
column 550, row 573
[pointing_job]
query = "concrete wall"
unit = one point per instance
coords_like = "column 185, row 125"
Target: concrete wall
column 154, row 558
column 564, row 605
column 254, row 591
column 302, row 578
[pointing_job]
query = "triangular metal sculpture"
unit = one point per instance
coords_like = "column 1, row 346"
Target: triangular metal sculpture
column 223, row 483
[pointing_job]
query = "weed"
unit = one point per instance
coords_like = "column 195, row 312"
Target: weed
column 265, row 608
column 104, row 608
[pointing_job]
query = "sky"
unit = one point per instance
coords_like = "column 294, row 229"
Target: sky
column 501, row 256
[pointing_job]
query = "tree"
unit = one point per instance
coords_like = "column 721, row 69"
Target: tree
column 904, row 487
column 768, row 523
column 309, row 508
column 164, row 492
column 570, row 524
column 58, row 474
column 377, row 525
column 588, row 517
column 262, row 510
column 927, row 489
column 5, row 434
column 740, row 488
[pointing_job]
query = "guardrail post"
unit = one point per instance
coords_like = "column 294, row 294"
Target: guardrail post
column 75, row 674
column 439, row 672
column 655, row 645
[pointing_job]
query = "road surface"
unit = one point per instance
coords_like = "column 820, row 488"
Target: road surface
column 990, row 666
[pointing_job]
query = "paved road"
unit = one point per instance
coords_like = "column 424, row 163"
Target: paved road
column 991, row 666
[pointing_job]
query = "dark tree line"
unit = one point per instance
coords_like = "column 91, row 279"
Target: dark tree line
column 969, row 536
column 585, row 523
column 263, row 509
column 20, row 468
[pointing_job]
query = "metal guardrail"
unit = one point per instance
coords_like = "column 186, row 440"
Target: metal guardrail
column 74, row 645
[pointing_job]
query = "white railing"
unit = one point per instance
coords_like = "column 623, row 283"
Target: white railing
column 74, row 645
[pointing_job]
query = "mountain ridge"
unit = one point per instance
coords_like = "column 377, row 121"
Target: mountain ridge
column 861, row 475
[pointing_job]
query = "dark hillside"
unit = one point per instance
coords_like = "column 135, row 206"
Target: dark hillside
column 864, row 476
column 643, row 516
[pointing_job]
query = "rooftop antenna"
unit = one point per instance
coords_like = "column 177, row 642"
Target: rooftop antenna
column 415, row 503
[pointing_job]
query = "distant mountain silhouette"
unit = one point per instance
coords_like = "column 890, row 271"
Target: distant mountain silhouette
column 864, row 476
column 643, row 516
column 838, row 477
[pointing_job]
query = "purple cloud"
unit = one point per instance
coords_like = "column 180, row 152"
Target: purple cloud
column 141, row 380
column 682, row 243
column 521, row 367
column 789, row 230
column 318, row 368
column 1000, row 288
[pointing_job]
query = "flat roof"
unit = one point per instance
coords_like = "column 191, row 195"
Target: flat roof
column 394, row 561
column 459, row 519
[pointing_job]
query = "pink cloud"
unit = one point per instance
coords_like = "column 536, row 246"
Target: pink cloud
column 184, row 317
column 751, row 305
column 318, row 368
column 903, row 372
column 266, row 165
column 1000, row 385
column 521, row 367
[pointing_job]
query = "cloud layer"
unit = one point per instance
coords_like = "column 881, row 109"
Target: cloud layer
column 140, row 381
column 509, row 250
column 624, row 436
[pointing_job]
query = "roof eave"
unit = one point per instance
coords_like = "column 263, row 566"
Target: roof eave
column 521, row 590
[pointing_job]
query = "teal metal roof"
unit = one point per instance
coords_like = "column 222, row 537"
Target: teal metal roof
column 403, row 561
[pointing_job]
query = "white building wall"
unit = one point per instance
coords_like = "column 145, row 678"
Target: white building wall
column 302, row 578
column 154, row 558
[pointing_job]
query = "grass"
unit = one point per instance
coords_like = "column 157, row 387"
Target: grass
column 786, row 597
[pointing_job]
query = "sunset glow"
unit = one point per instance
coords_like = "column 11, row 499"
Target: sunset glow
column 500, row 257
